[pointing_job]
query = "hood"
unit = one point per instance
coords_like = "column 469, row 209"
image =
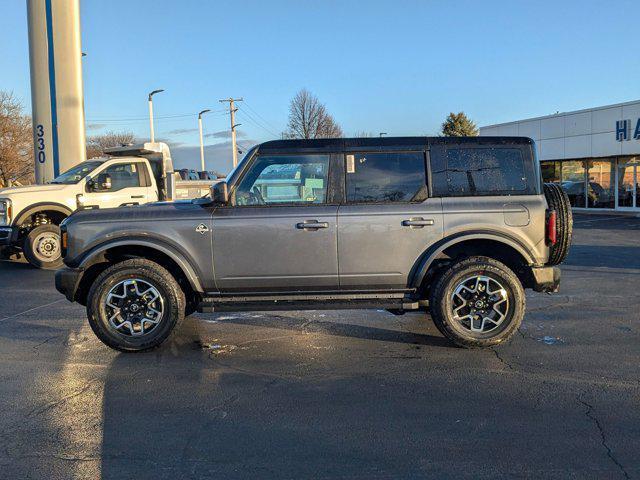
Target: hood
column 31, row 189
column 138, row 213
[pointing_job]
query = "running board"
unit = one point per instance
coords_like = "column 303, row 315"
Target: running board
column 396, row 301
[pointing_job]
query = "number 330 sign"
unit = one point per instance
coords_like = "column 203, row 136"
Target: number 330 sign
column 42, row 156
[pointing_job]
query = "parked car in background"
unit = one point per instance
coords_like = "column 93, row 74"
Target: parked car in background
column 30, row 216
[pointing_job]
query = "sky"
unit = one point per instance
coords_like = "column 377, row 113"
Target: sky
column 379, row 66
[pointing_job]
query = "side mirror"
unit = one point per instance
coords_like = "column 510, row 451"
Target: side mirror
column 102, row 182
column 219, row 193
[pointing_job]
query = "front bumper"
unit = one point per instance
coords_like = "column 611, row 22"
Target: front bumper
column 546, row 279
column 8, row 236
column 67, row 281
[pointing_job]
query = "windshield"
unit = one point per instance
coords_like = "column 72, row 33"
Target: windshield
column 77, row 173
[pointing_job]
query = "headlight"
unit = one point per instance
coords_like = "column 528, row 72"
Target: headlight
column 5, row 212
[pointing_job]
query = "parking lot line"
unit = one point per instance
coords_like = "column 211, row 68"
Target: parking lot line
column 30, row 310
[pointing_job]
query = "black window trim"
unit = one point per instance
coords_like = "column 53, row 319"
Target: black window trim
column 356, row 151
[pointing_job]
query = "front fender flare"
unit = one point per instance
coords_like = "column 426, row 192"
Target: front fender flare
column 427, row 258
column 184, row 265
column 37, row 207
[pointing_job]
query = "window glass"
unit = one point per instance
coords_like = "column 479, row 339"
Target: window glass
column 386, row 177
column 284, row 179
column 124, row 175
column 483, row 171
column 573, row 182
column 601, row 192
column 77, row 173
column 551, row 172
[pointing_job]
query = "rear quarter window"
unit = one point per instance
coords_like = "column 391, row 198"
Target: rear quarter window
column 459, row 171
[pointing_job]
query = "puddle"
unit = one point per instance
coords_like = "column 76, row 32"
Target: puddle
column 547, row 340
column 217, row 348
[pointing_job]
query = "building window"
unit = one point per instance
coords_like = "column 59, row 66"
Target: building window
column 551, row 172
column 573, row 182
column 601, row 191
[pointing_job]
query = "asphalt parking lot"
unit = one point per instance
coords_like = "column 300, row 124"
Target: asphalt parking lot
column 333, row 394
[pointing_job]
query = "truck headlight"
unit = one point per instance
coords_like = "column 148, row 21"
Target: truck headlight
column 5, row 212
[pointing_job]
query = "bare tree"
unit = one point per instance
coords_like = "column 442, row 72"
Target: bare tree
column 97, row 144
column 308, row 118
column 16, row 142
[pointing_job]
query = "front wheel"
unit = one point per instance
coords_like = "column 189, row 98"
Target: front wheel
column 477, row 302
column 43, row 247
column 135, row 305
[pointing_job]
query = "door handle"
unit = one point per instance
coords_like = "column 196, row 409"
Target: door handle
column 417, row 222
column 137, row 196
column 311, row 225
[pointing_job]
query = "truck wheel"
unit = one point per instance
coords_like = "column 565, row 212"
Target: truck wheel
column 42, row 247
column 477, row 302
column 135, row 305
column 558, row 200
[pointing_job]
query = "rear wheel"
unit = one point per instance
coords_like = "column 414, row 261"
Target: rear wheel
column 558, row 200
column 43, row 247
column 135, row 305
column 477, row 302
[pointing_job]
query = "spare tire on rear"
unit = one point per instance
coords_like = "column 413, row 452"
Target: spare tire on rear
column 558, row 200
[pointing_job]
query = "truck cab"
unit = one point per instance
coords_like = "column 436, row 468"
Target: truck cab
column 30, row 216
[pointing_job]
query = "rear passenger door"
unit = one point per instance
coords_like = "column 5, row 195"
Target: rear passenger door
column 386, row 220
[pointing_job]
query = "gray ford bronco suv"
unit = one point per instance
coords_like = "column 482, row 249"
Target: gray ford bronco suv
column 458, row 227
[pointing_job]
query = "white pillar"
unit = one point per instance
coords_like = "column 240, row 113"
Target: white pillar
column 57, row 97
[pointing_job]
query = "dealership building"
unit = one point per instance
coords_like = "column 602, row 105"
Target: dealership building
column 593, row 153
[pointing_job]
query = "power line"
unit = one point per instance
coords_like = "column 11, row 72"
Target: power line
column 117, row 119
column 266, row 122
column 258, row 124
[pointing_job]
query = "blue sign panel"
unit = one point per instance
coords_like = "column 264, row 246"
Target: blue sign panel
column 623, row 128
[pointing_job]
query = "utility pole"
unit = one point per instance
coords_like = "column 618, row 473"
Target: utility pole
column 151, row 112
column 232, row 112
column 202, row 169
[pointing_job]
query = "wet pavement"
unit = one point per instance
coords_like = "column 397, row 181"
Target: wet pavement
column 333, row 394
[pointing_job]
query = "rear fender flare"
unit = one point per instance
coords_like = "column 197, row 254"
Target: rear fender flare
column 428, row 257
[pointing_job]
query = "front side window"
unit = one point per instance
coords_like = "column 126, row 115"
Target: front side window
column 124, row 175
column 468, row 171
column 284, row 179
column 386, row 177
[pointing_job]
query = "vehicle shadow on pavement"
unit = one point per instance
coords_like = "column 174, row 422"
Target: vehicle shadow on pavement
column 338, row 329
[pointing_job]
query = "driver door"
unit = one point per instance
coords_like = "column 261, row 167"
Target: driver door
column 279, row 232
column 130, row 185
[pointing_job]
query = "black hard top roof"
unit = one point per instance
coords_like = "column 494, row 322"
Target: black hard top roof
column 386, row 142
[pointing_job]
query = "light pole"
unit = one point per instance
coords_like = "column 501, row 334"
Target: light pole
column 151, row 112
column 201, row 141
column 382, row 134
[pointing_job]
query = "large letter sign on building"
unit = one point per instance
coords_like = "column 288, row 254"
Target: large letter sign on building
column 56, row 86
column 622, row 130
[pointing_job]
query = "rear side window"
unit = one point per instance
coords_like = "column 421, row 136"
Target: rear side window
column 386, row 177
column 471, row 171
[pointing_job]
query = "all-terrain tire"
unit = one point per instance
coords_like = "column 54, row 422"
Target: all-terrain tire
column 42, row 247
column 558, row 200
column 147, row 273
column 441, row 302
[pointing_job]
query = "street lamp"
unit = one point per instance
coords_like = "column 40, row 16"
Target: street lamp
column 382, row 133
column 201, row 141
column 151, row 112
